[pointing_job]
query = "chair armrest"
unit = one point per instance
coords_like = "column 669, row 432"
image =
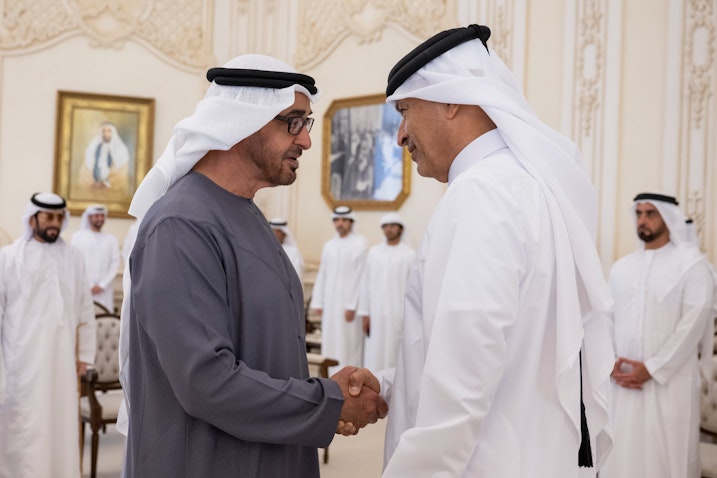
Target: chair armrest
column 87, row 389
column 322, row 363
column 90, row 375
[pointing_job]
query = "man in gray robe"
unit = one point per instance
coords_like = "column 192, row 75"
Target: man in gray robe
column 219, row 379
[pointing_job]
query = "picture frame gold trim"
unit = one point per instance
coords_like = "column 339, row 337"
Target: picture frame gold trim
column 89, row 170
column 378, row 179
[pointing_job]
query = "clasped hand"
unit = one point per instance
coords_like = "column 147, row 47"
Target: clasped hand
column 634, row 378
column 362, row 403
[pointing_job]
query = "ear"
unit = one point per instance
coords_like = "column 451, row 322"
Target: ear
column 452, row 110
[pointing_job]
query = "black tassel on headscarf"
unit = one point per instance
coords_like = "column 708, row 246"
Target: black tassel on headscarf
column 585, row 454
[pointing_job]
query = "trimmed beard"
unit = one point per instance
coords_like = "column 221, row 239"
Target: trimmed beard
column 43, row 234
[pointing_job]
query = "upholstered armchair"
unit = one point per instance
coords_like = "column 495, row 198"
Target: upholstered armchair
column 100, row 309
column 101, row 392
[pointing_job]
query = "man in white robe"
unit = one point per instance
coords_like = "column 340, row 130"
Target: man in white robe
column 506, row 330
column 288, row 243
column 663, row 295
column 383, row 287
column 336, row 289
column 101, row 252
column 47, row 339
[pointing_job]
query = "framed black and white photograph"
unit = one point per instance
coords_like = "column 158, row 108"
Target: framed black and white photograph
column 362, row 166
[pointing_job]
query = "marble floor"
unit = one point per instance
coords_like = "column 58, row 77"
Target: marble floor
column 349, row 457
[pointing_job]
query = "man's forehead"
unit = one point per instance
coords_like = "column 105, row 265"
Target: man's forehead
column 646, row 206
column 405, row 101
column 301, row 106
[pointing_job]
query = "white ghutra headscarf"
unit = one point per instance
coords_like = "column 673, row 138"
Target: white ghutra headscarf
column 91, row 210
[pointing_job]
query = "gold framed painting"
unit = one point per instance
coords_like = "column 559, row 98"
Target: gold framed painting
column 362, row 166
column 103, row 149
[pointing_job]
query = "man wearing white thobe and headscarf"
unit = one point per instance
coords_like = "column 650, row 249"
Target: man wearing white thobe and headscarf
column 663, row 295
column 213, row 343
column 47, row 339
column 383, row 287
column 505, row 356
column 101, row 252
column 336, row 290
column 288, row 243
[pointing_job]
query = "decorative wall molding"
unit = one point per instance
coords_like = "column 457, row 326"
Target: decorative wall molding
column 699, row 57
column 268, row 27
column 590, row 64
column 507, row 20
column 323, row 25
column 590, row 104
column 688, row 167
column 178, row 31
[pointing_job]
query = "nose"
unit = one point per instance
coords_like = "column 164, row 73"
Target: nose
column 402, row 136
column 303, row 139
column 55, row 219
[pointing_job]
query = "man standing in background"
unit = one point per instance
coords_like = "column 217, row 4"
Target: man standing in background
column 101, row 252
column 286, row 239
column 336, row 290
column 663, row 317
column 382, row 290
column 46, row 315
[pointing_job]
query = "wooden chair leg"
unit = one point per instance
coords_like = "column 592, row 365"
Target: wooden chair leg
column 95, row 446
column 82, row 442
column 326, row 455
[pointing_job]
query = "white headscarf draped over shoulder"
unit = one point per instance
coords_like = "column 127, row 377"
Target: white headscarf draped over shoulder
column 224, row 117
column 471, row 74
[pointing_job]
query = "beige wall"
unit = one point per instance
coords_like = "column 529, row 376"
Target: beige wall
column 606, row 73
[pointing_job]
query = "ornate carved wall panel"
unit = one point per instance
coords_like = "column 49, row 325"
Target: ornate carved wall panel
column 590, row 106
column 323, row 25
column 690, row 146
column 178, row 31
column 507, row 21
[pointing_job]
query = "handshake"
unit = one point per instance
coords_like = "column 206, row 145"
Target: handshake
column 362, row 404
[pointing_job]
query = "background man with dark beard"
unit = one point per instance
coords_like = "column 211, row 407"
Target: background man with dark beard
column 44, row 299
column 662, row 316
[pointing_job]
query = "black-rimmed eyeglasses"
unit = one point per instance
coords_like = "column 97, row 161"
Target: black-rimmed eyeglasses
column 295, row 123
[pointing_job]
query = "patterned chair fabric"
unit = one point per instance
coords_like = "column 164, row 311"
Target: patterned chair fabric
column 101, row 393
